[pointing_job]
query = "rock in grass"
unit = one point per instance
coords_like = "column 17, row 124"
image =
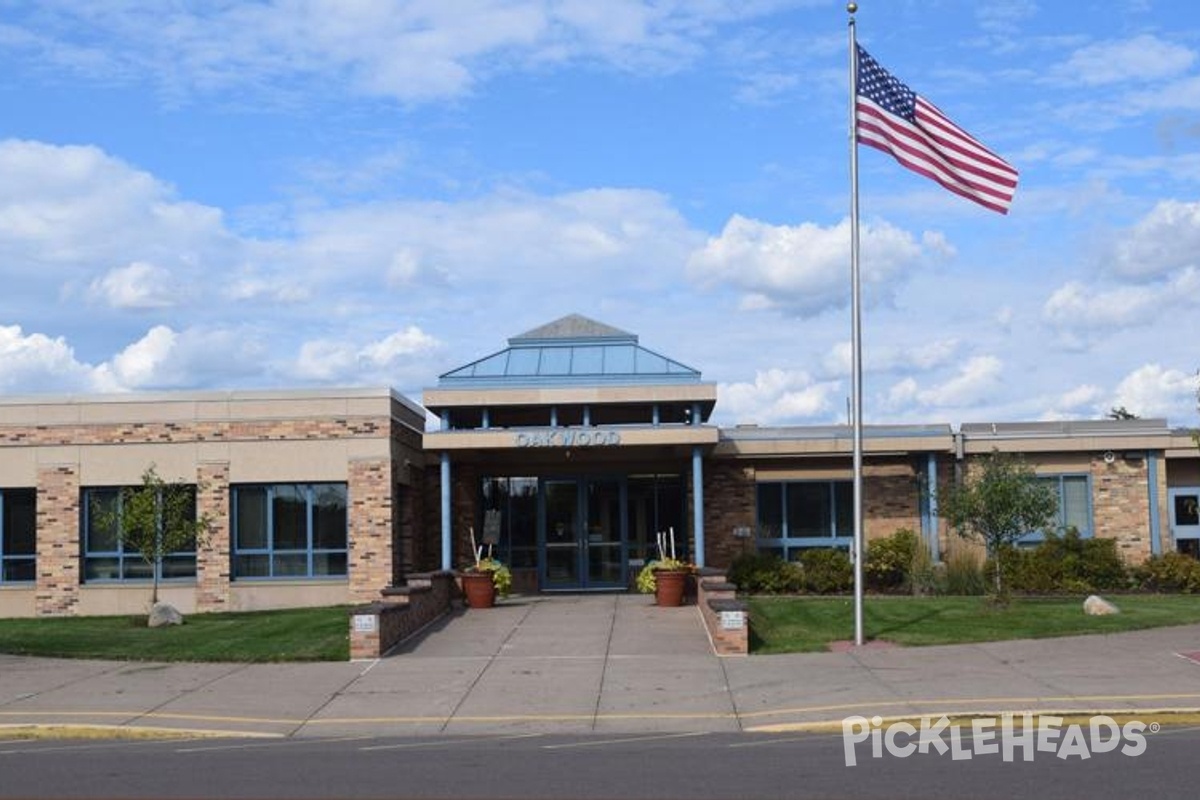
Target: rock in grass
column 1097, row 606
column 164, row 614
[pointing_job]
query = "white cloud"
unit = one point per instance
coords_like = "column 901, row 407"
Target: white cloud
column 977, row 380
column 36, row 363
column 412, row 51
column 803, row 269
column 778, row 396
column 1152, row 390
column 378, row 362
column 136, row 286
column 1165, row 240
column 1142, row 58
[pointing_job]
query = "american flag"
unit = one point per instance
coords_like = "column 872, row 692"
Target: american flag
column 893, row 118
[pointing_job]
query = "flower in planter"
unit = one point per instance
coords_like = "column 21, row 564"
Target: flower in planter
column 501, row 575
column 646, row 582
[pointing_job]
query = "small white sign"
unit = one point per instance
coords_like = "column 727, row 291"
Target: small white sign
column 364, row 623
column 733, row 620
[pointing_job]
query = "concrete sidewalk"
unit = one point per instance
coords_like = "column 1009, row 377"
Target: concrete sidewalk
column 604, row 664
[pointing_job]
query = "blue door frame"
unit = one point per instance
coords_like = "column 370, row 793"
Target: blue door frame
column 581, row 546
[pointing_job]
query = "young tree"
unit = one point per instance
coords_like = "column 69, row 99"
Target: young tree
column 155, row 519
column 1000, row 501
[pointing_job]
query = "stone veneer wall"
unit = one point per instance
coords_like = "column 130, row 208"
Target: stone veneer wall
column 213, row 565
column 57, row 589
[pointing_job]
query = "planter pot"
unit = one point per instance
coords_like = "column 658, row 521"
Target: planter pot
column 668, row 586
column 479, row 589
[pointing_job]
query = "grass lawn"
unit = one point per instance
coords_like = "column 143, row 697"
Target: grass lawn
column 809, row 624
column 304, row 634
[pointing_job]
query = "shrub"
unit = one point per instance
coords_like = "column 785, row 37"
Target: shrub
column 889, row 561
column 1067, row 563
column 827, row 570
column 962, row 572
column 1169, row 572
column 765, row 573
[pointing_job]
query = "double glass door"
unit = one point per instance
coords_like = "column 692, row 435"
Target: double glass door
column 583, row 533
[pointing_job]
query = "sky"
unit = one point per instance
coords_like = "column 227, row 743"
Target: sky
column 338, row 193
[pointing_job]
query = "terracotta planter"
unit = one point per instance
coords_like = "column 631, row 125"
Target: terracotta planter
column 668, row 586
column 479, row 589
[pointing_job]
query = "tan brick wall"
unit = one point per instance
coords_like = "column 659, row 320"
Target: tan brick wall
column 1121, row 506
column 891, row 500
column 213, row 557
column 202, row 431
column 370, row 545
column 57, row 589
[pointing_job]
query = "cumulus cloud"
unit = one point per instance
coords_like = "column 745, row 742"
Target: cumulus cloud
column 36, row 363
column 136, row 286
column 336, row 360
column 802, row 269
column 1153, row 390
column 1166, row 240
column 779, row 396
column 168, row 359
column 976, row 381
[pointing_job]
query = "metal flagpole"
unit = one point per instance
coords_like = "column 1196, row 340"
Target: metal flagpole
column 856, row 341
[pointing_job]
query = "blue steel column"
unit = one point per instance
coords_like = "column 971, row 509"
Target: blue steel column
column 1155, row 524
column 932, row 478
column 698, row 503
column 446, row 554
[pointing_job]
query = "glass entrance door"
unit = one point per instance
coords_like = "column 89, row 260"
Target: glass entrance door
column 583, row 534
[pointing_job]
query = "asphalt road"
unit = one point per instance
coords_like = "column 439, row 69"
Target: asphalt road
column 534, row 766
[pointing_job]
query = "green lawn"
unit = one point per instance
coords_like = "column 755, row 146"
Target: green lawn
column 305, row 634
column 809, row 624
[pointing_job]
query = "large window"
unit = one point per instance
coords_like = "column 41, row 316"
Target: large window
column 18, row 535
column 795, row 515
column 290, row 530
column 510, row 518
column 1074, row 495
column 106, row 557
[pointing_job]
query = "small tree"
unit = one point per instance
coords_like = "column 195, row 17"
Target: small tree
column 999, row 503
column 155, row 519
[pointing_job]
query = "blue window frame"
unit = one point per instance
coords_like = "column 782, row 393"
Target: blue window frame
column 797, row 515
column 290, row 530
column 106, row 557
column 18, row 535
column 1074, row 493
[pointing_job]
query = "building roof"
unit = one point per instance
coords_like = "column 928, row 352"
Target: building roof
column 571, row 351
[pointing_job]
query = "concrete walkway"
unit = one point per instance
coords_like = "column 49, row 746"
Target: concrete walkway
column 604, row 664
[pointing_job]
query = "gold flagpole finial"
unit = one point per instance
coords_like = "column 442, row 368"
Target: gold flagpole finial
column 851, row 8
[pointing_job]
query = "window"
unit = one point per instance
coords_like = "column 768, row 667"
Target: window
column 290, row 530
column 1074, row 495
column 107, row 558
column 512, row 504
column 795, row 515
column 18, row 535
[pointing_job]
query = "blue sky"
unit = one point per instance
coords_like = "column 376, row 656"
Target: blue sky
column 218, row 195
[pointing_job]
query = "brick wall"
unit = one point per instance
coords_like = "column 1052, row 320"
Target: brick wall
column 213, row 556
column 57, row 589
column 370, row 546
column 1121, row 506
column 729, row 502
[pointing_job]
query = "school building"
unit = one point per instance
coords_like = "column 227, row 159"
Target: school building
column 567, row 453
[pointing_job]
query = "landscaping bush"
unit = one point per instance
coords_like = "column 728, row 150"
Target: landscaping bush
column 890, row 561
column 1169, row 572
column 1067, row 564
column 765, row 573
column 827, row 571
column 962, row 572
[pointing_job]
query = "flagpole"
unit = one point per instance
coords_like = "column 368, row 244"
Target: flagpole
column 856, row 341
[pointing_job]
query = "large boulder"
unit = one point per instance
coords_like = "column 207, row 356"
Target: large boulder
column 1097, row 606
column 164, row 614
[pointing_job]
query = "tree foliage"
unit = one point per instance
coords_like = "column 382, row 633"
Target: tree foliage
column 1000, row 501
column 155, row 519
